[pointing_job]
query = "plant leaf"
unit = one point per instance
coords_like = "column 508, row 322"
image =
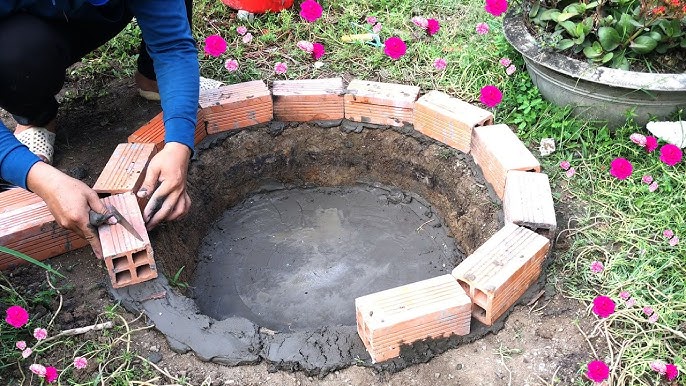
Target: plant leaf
column 592, row 53
column 570, row 27
column 607, row 57
column 564, row 44
column 643, row 44
column 30, row 260
column 624, row 27
column 609, row 38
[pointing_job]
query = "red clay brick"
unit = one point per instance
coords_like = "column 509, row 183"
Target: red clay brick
column 153, row 132
column 528, row 202
column 236, row 106
column 449, row 120
column 432, row 308
column 125, row 171
column 128, row 260
column 17, row 198
column 31, row 229
column 380, row 103
column 501, row 270
column 497, row 150
column 308, row 99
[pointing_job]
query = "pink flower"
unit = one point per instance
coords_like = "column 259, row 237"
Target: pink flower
column 440, row 64
column 671, row 371
column 51, row 374
column 231, row 65
column 674, row 241
column 247, row 38
column 505, row 62
column 564, row 165
column 310, row 10
column 653, row 318
column 603, row 306
column 38, row 369
column 631, row 302
column 17, row 316
column 668, row 233
column 624, row 295
column 21, row 345
column 40, row 333
column 491, row 96
column 318, row 51
column 482, row 28
column 496, row 7
column 647, row 179
column 80, row 363
column 597, row 371
column 638, row 139
column 420, row 22
column 215, row 45
column 305, row 46
column 394, row 47
column 597, row 267
column 371, row 20
column 377, row 28
column 432, row 26
column 570, row 172
column 621, row 168
column 651, row 144
column 280, row 68
column 648, row 310
column 658, row 366
column 670, row 154
column 241, row 30
column 26, row 353
column 652, row 187
column 510, row 69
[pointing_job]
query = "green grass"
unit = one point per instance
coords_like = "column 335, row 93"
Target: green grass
column 616, row 222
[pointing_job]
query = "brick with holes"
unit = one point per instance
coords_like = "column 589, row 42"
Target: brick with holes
column 16, row 198
column 380, row 103
column 448, row 119
column 308, row 100
column 125, row 170
column 236, row 106
column 153, row 131
column 528, row 201
column 497, row 150
column 501, row 270
column 128, row 259
column 432, row 308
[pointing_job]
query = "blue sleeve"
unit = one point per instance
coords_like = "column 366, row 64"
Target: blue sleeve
column 175, row 58
column 15, row 159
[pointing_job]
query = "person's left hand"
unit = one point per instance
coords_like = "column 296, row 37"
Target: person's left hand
column 169, row 200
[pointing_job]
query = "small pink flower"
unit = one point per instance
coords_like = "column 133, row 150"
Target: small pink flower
column 647, row 179
column 630, row 303
column 432, row 26
column 653, row 186
column 621, row 168
column 420, row 22
column 597, row 371
column 440, row 64
column 653, row 318
column 674, row 241
column 25, row 353
column 505, row 62
column 371, row 20
column 638, row 139
column 51, row 374
column 38, row 369
column 570, row 172
column 280, row 68
column 671, row 371
column 658, row 366
column 597, row 267
column 17, row 316
column 496, row 7
column 651, row 144
column 310, row 10
column 491, row 96
column 648, row 310
column 377, row 28
column 318, row 51
column 247, row 38
column 21, row 345
column 231, row 65
column 241, row 30
column 603, row 306
column 510, row 69
column 215, row 45
column 395, row 47
column 305, row 46
column 80, row 363
column 670, row 154
column 624, row 295
column 564, row 165
column 40, row 333
column 482, row 28
column 668, row 233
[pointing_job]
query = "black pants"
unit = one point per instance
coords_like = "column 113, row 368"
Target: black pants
column 34, row 56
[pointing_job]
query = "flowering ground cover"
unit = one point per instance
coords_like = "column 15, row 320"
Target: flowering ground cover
column 623, row 192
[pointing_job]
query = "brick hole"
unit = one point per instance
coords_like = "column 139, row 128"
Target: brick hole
column 478, row 311
column 143, row 270
column 479, row 298
column 122, row 277
column 140, row 257
column 120, row 263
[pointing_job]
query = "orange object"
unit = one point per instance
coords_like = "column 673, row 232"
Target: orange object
column 259, row 6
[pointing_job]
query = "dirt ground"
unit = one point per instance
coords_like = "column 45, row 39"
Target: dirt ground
column 539, row 345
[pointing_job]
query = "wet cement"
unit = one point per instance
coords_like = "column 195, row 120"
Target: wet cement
column 296, row 259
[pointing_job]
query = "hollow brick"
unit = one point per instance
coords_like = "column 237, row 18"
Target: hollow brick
column 153, row 131
column 128, row 259
column 308, row 99
column 497, row 150
column 236, row 106
column 528, row 202
column 448, row 119
column 16, row 198
column 125, row 170
column 380, row 103
column 432, row 308
column 501, row 270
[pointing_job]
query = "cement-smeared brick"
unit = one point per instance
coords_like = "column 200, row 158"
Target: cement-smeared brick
column 380, row 103
column 308, row 100
column 236, row 106
column 528, row 201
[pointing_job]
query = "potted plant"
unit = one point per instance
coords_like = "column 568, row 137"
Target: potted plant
column 598, row 55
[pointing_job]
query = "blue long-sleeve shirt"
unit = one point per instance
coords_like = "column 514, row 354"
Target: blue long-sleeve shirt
column 167, row 34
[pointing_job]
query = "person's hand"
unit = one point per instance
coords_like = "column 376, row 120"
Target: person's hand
column 169, row 200
column 69, row 200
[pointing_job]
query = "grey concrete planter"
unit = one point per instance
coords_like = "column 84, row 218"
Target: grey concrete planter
column 597, row 93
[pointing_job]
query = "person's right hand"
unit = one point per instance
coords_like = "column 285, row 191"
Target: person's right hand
column 69, row 200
